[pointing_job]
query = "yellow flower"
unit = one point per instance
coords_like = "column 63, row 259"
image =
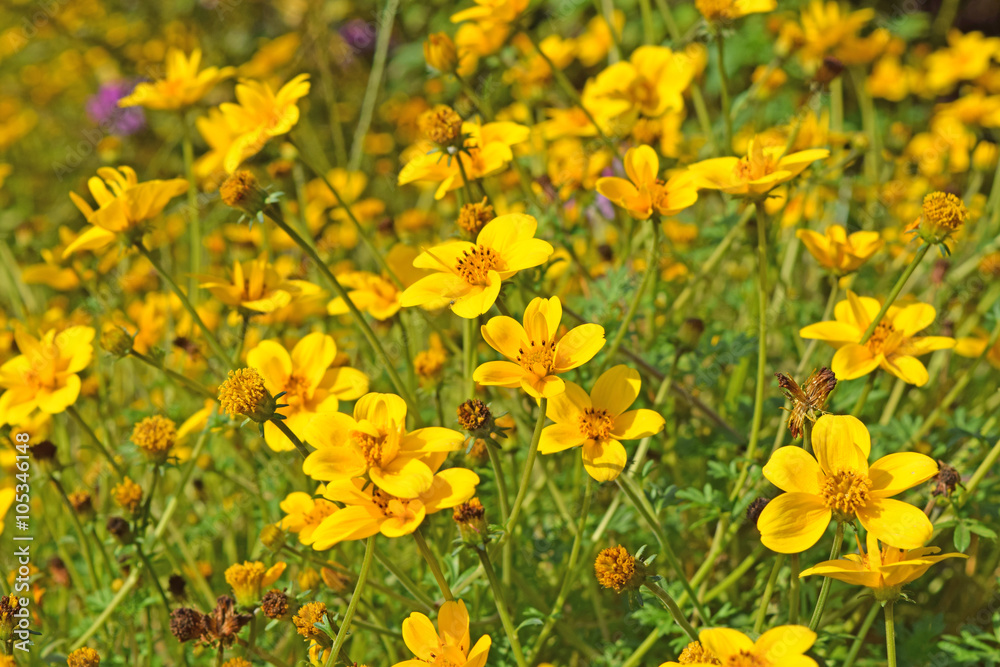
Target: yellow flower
column 598, row 421
column 44, row 376
column 884, row 570
column 127, row 495
column 728, row 10
column 369, row 510
column 650, row 83
column 893, row 346
column 249, row 579
column 839, row 484
column 536, row 352
column 261, row 115
column 123, row 202
column 839, row 252
column 377, row 294
column 694, row 654
column 375, row 442
column 256, row 285
column 155, row 435
column 968, row 56
column 826, row 29
column 942, row 215
column 755, row 175
column 439, row 52
column 643, row 193
column 615, row 568
column 219, row 135
column 486, row 151
column 83, row 657
column 310, row 382
column 783, row 646
column 450, row 644
column 468, row 275
column 491, row 11
column 183, row 85
column 304, row 514
column 6, row 500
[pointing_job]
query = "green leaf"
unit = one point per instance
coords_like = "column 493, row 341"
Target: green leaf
column 962, row 536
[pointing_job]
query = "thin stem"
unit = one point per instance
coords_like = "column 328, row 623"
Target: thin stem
column 87, row 553
column 625, row 483
column 501, row 482
column 283, row 427
column 194, row 230
column 213, row 342
column 646, row 10
column 568, row 574
column 758, row 402
column 469, row 340
column 674, row 610
column 522, row 490
column 652, row 266
column 866, row 625
column 824, row 590
column 727, row 119
column 181, row 380
column 359, row 319
column 101, row 447
column 793, row 590
column 765, row 599
column 407, row 583
column 433, row 564
column 859, row 405
column 154, row 578
column 977, row 477
column 896, row 289
column 890, row 406
column 384, row 23
column 499, row 599
column 890, row 634
column 359, row 588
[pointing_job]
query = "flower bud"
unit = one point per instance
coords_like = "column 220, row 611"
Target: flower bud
column 275, row 604
column 83, row 657
column 440, row 52
column 617, row 569
column 943, row 214
column 120, row 529
column 273, row 537
column 116, row 340
column 244, row 394
column 242, row 192
column 690, row 333
column 471, row 519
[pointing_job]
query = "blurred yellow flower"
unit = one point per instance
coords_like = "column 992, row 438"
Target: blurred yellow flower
column 303, row 514
column 839, row 252
column 44, row 376
column 728, row 10
column 260, row 115
column 643, row 192
column 256, row 286
column 449, row 645
column 783, row 646
column 182, row 86
column 755, row 175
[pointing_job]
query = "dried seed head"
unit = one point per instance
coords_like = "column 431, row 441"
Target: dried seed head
column 275, row 604
column 755, row 508
column 187, row 624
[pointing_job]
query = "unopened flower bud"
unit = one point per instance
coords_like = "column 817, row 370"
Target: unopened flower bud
column 440, row 52
column 273, row 537
column 471, row 519
column 116, row 340
column 242, row 192
column 690, row 333
column 943, row 214
column 474, row 216
column 120, row 529
column 617, row 569
column 755, row 508
column 244, row 394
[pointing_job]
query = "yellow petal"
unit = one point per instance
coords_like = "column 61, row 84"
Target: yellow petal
column 900, row 471
column 853, row 361
column 792, row 469
column 896, row 523
column 566, row 408
column 913, row 318
column 451, row 487
column 793, row 522
column 835, row 442
column 616, row 389
column 835, row 333
column 636, row 424
column 453, row 624
column 560, row 437
column 578, row 346
column 604, row 459
column 783, row 642
column 724, row 642
column 311, row 356
column 402, row 477
column 499, row 374
column 505, row 335
column 420, row 636
column 908, row 369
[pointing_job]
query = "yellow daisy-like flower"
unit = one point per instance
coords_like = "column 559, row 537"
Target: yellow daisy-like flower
column 651, row 82
column 261, row 115
column 468, row 275
column 756, row 174
column 256, row 285
column 838, row 251
column 840, row 484
column 368, row 510
column 893, row 346
column 304, row 514
column 182, row 86
column 310, row 382
column 450, row 644
column 783, row 646
column 122, row 204
column 375, row 442
column 884, row 570
column 83, row 657
column 249, row 580
column 729, row 10
column 598, row 421
column 44, row 376
column 643, row 193
column 536, row 353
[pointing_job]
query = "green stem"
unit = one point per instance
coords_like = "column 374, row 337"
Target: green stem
column 359, row 319
column 384, row 23
column 213, row 342
column 405, row 581
column 522, row 490
column 859, row 405
column 499, row 599
column 101, row 447
column 652, row 262
column 896, row 289
column 153, row 577
column 758, row 403
column 433, row 564
column 87, row 552
column 765, row 599
column 181, row 380
column 727, row 119
column 161, row 526
column 283, row 427
column 359, row 588
column 674, row 610
column 977, row 477
column 625, row 483
column 646, row 10
column 890, row 406
column 866, row 625
column 194, row 231
column 568, row 574
column 890, row 634
column 824, row 590
column 793, row 591
column 469, row 340
column 501, row 482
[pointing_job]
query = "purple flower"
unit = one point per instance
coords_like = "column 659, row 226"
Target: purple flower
column 103, row 110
